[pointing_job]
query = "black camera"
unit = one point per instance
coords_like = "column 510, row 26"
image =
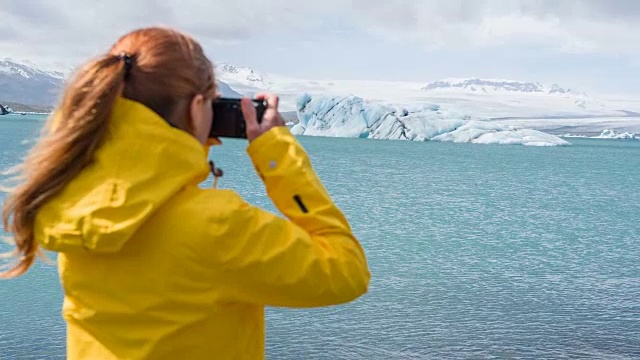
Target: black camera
column 228, row 120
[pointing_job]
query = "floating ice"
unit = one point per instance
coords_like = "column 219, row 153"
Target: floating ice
column 352, row 116
column 487, row 132
column 611, row 134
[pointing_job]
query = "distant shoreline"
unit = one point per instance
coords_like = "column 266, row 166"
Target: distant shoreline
column 20, row 113
column 20, row 108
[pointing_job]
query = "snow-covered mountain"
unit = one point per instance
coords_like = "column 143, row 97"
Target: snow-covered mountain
column 27, row 83
column 521, row 104
column 486, row 98
column 240, row 75
column 487, row 86
column 24, row 82
column 27, row 69
column 243, row 80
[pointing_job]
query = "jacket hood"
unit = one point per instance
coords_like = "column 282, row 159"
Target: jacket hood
column 142, row 163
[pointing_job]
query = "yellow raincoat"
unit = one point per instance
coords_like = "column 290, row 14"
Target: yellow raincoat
column 155, row 267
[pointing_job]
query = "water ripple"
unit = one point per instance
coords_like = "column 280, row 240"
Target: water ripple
column 476, row 252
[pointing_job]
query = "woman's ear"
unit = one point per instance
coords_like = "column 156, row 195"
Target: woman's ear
column 200, row 116
column 194, row 108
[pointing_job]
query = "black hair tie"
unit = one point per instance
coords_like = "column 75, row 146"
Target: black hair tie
column 128, row 63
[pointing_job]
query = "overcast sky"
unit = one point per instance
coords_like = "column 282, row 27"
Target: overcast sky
column 589, row 45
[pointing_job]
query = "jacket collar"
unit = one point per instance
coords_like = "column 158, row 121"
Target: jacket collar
column 142, row 163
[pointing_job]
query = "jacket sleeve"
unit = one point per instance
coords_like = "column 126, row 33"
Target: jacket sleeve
column 311, row 259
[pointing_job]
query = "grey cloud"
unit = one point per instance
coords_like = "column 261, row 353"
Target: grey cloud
column 81, row 28
column 594, row 9
column 472, row 11
column 40, row 13
column 586, row 24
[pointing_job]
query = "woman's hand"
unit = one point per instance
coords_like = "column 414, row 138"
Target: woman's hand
column 270, row 119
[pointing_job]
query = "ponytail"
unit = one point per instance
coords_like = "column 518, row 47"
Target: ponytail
column 165, row 68
column 73, row 134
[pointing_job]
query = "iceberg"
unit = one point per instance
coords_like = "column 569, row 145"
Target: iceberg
column 352, row 116
column 611, row 134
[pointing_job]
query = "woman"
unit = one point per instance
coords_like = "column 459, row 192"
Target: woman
column 153, row 266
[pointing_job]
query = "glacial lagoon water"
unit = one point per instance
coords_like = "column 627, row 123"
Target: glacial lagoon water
column 476, row 251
